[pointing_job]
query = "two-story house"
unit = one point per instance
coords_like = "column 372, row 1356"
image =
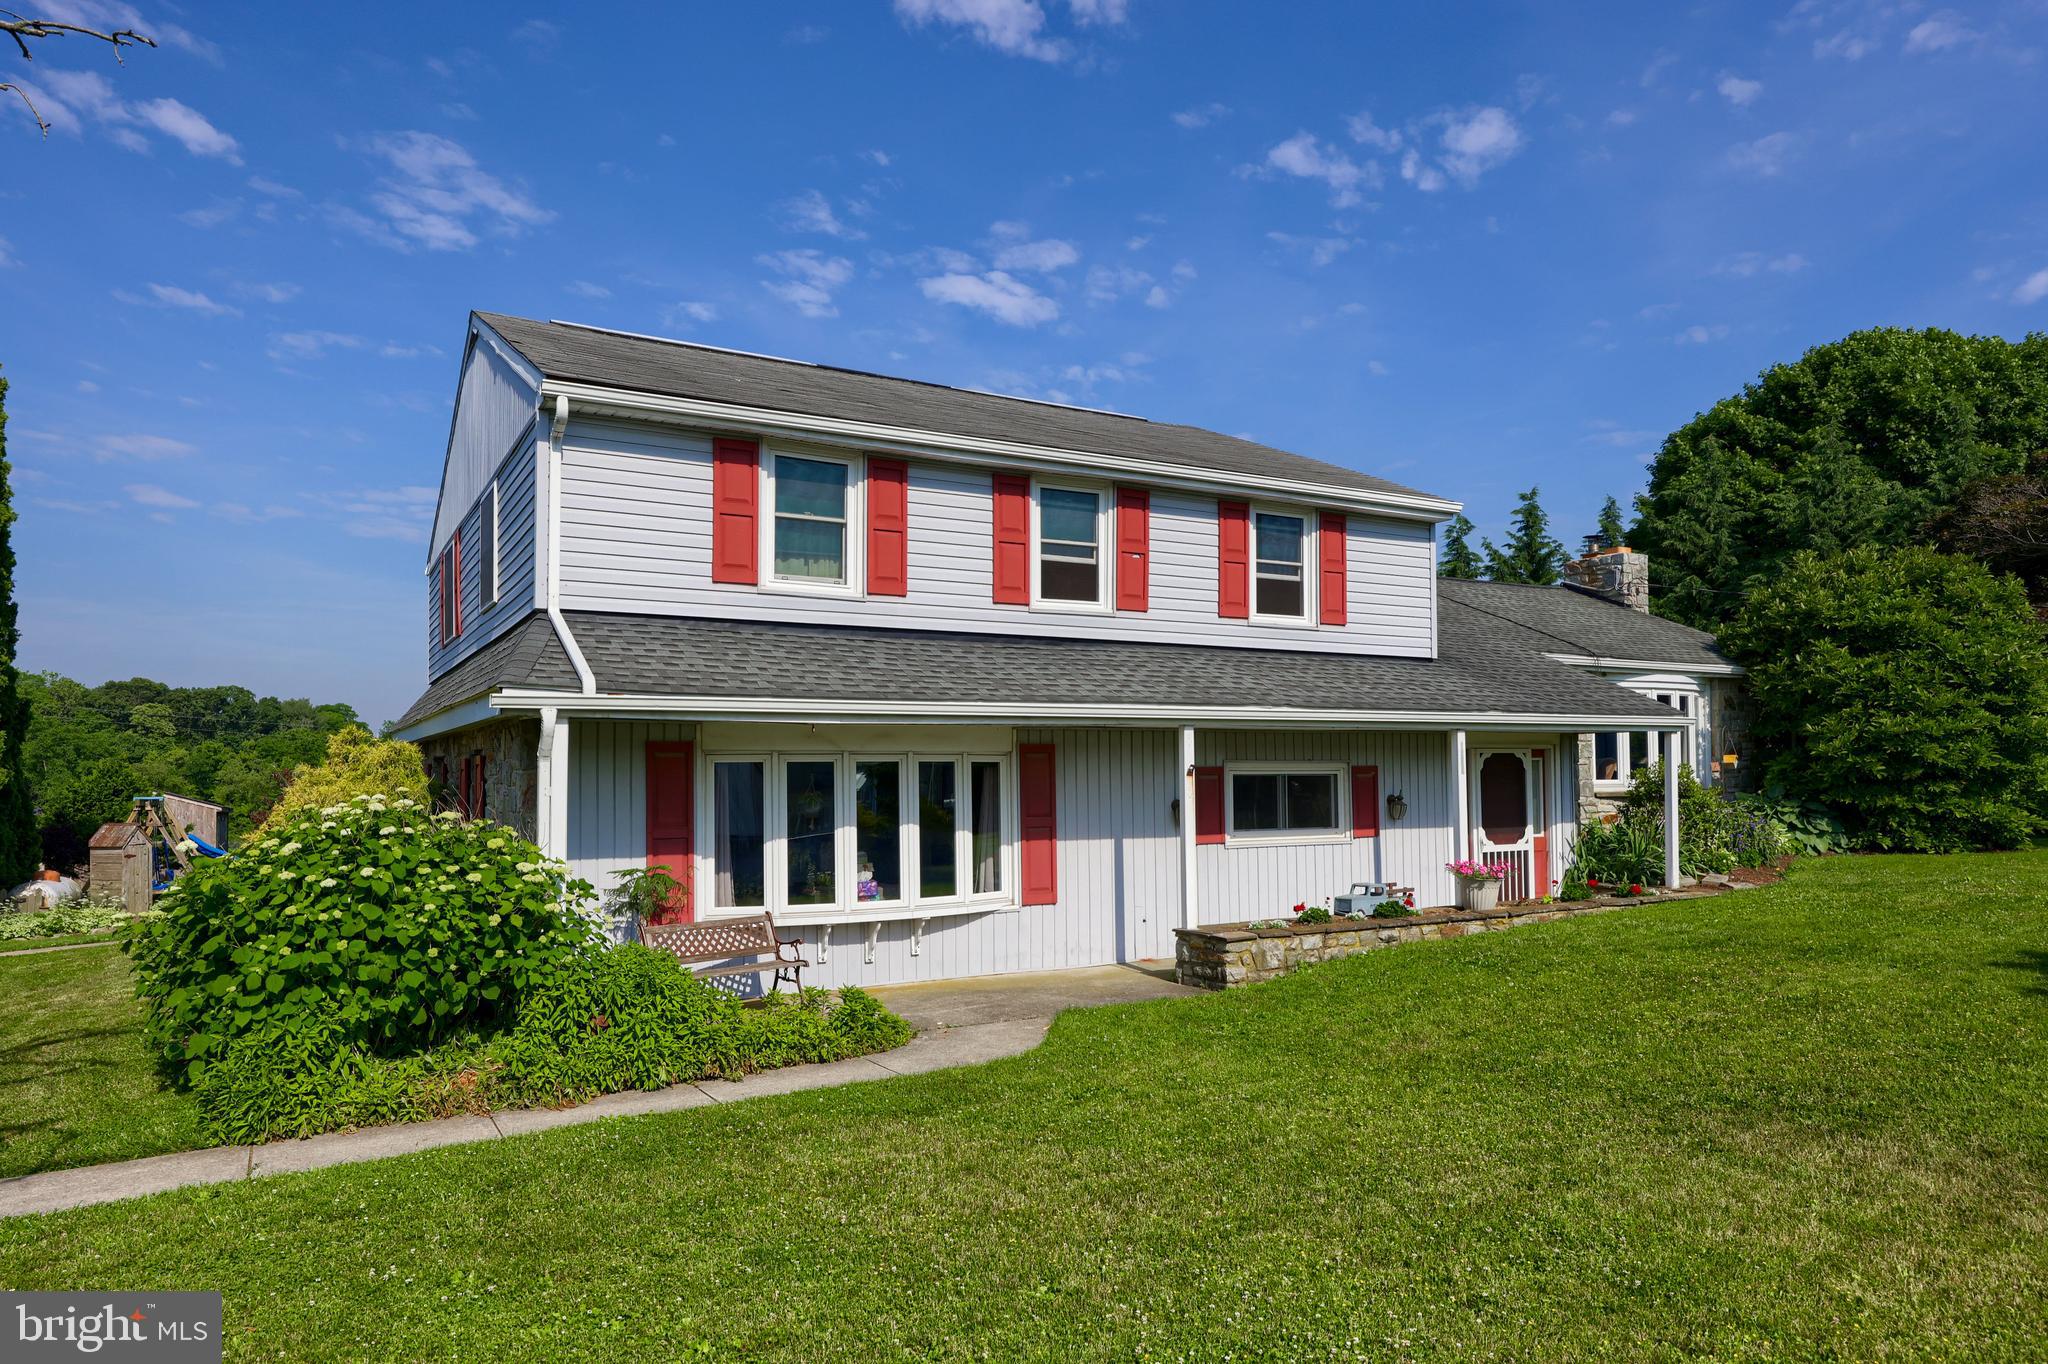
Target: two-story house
column 962, row 684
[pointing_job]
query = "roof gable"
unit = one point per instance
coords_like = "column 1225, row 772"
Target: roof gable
column 1583, row 623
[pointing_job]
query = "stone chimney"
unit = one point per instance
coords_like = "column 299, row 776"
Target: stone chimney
column 1615, row 572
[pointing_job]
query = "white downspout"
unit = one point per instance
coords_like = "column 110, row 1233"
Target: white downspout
column 554, row 602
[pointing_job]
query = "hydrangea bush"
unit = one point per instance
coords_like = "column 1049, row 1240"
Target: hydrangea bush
column 397, row 927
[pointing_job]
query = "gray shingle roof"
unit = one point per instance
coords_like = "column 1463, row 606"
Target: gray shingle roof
column 1486, row 666
column 677, row 369
column 1577, row 622
column 527, row 655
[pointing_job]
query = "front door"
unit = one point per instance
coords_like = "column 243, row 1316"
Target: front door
column 1504, row 817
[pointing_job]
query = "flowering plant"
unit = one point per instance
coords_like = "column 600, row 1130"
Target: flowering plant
column 1467, row 870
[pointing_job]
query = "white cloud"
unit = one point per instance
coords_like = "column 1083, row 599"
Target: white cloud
column 877, row 156
column 434, row 192
column 150, row 495
column 272, row 189
column 1697, row 335
column 267, row 293
column 809, row 280
column 1002, row 296
column 583, row 288
column 1744, row 264
column 688, row 311
column 812, row 212
column 1202, row 115
column 7, row 256
column 1938, row 32
column 1040, row 256
column 69, row 99
column 1654, row 70
column 1476, row 140
column 2033, row 289
column 1767, row 155
column 140, row 447
column 1304, row 156
column 87, row 386
column 1108, row 283
column 537, row 33
column 1011, row 26
column 1112, row 12
column 403, row 513
column 311, row 345
column 242, row 514
column 1376, row 368
column 1737, row 91
column 1319, row 250
column 1621, row 118
column 172, row 296
column 111, row 15
column 1364, row 130
column 213, row 215
column 392, row 350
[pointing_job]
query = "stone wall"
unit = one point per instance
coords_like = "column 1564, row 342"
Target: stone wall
column 1224, row 955
column 511, row 768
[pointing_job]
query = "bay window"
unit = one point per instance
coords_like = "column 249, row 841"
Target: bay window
column 1279, row 582
column 738, row 835
column 810, row 830
column 878, row 830
column 1619, row 755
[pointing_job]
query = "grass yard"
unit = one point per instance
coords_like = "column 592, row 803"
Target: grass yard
column 1803, row 1122
column 60, row 940
column 75, row 1085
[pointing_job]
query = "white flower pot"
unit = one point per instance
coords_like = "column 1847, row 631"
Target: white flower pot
column 1479, row 892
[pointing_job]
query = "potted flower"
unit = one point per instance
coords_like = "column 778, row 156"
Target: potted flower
column 1478, row 882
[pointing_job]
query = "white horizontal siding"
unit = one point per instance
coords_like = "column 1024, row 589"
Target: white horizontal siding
column 636, row 537
column 517, row 539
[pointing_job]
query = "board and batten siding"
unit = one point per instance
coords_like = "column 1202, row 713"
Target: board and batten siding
column 636, row 537
column 517, row 541
column 495, row 401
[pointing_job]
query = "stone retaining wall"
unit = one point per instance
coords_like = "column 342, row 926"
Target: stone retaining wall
column 1218, row 956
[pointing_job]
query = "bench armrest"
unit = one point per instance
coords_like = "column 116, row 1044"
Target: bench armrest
column 788, row 943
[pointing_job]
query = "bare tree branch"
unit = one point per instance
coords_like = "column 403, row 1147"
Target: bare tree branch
column 33, row 112
column 21, row 30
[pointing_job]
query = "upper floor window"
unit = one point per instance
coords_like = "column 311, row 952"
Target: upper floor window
column 1280, row 583
column 813, row 509
column 487, row 536
column 449, row 584
column 1070, row 539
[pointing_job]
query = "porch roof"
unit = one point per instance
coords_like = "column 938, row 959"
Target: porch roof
column 1486, row 671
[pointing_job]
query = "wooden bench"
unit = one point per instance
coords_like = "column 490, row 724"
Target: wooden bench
column 717, row 940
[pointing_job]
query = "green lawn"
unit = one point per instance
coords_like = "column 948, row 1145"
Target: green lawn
column 1796, row 1123
column 61, row 940
column 75, row 1085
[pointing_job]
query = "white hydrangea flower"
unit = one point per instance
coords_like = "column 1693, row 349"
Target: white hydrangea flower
column 328, row 883
column 387, row 831
column 474, row 877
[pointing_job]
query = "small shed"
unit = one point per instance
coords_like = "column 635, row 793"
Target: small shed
column 120, row 863
column 191, row 815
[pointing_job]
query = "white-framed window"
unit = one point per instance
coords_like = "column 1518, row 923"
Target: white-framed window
column 809, row 539
column 1070, row 539
column 817, row 834
column 1619, row 754
column 1282, row 586
column 487, row 561
column 1286, row 802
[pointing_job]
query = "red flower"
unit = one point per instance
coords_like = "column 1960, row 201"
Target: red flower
column 1301, row 908
column 1592, row 880
column 1635, row 888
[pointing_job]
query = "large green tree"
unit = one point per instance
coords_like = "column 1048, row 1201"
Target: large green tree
column 1869, row 440
column 1612, row 531
column 19, row 846
column 1457, row 558
column 1532, row 554
column 1905, row 689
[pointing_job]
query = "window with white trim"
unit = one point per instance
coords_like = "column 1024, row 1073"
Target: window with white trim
column 810, row 543
column 1286, row 802
column 1069, row 535
column 1619, row 755
column 1280, row 587
column 839, row 833
column 487, row 563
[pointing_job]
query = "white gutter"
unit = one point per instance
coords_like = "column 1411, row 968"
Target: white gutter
column 1641, row 665
column 939, row 445
column 554, row 602
column 837, row 712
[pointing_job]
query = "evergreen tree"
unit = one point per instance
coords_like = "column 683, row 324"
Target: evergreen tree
column 20, row 844
column 1612, row 532
column 1531, row 556
column 1458, row 559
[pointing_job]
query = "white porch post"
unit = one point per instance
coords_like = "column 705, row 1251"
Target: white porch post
column 1461, row 798
column 1188, row 901
column 1672, row 740
column 551, row 815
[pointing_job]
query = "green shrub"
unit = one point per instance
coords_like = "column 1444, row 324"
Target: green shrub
column 358, row 763
column 80, row 916
column 396, row 927
column 1620, row 854
column 1707, row 823
column 1906, row 691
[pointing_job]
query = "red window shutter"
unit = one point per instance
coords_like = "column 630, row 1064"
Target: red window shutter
column 1233, row 560
column 735, row 511
column 1133, row 549
column 1038, row 823
column 1332, row 590
column 438, row 626
column 1365, row 802
column 672, row 821
column 480, row 810
column 1012, row 496
column 1208, row 805
column 888, row 528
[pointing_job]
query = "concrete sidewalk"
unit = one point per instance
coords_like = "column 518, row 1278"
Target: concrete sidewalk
column 960, row 1023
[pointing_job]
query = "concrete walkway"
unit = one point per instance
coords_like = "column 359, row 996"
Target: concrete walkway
column 959, row 1023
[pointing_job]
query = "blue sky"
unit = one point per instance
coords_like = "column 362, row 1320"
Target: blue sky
column 1469, row 248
